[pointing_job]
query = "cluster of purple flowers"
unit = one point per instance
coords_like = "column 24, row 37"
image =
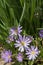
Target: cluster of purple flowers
column 41, row 33
column 22, row 43
column 6, row 56
column 13, row 33
column 19, row 57
column 32, row 53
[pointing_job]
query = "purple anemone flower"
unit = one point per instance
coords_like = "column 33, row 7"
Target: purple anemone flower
column 20, row 57
column 32, row 53
column 23, row 43
column 15, row 31
column 6, row 56
column 41, row 33
column 10, row 39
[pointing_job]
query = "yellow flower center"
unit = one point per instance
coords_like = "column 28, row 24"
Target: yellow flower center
column 15, row 32
column 33, row 52
column 22, row 43
column 9, row 56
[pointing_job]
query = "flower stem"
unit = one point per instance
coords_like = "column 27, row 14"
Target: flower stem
column 23, row 11
column 32, row 62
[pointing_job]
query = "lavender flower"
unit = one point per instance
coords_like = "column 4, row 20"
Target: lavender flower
column 41, row 33
column 19, row 57
column 23, row 42
column 10, row 39
column 32, row 53
column 15, row 31
column 6, row 56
